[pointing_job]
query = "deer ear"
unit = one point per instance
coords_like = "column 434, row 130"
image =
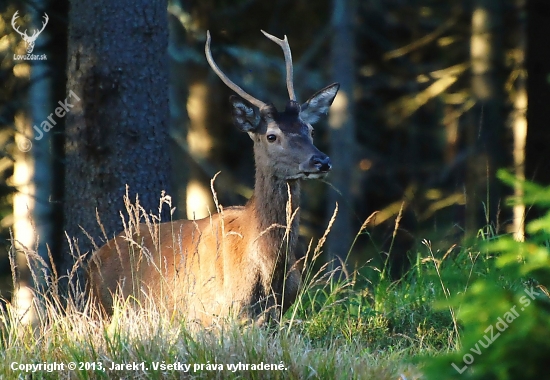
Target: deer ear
column 244, row 117
column 318, row 104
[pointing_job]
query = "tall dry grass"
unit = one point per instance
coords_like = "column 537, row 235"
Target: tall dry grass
column 336, row 329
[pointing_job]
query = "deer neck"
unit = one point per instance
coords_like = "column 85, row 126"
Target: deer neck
column 277, row 223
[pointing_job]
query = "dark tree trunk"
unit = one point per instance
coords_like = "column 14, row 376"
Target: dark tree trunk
column 342, row 130
column 117, row 132
column 179, row 119
column 486, row 132
column 48, row 82
column 538, row 92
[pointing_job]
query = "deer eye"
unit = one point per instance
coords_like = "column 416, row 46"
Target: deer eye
column 271, row 138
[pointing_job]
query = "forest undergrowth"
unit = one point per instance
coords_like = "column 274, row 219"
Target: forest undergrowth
column 357, row 324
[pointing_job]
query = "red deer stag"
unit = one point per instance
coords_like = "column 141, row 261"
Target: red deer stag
column 241, row 261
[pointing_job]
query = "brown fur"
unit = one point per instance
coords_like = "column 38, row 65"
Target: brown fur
column 234, row 263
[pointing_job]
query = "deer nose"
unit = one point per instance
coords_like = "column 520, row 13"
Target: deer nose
column 321, row 162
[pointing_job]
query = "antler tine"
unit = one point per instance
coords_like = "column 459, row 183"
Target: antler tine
column 37, row 32
column 45, row 22
column 288, row 61
column 15, row 27
column 225, row 79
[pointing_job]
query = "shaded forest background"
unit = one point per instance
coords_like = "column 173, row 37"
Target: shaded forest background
column 436, row 96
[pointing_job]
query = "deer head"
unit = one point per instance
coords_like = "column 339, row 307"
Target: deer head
column 29, row 39
column 283, row 141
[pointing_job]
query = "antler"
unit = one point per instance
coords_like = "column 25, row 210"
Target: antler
column 288, row 61
column 15, row 16
column 36, row 32
column 225, row 79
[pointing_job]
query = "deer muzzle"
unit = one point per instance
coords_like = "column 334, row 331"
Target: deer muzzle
column 317, row 166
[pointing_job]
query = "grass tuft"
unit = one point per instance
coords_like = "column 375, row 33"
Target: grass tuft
column 344, row 325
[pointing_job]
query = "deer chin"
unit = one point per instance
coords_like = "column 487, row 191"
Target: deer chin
column 315, row 175
column 308, row 175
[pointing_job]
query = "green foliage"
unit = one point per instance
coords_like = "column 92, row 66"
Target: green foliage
column 506, row 325
column 383, row 315
column 359, row 326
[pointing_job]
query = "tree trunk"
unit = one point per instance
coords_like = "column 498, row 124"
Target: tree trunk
column 179, row 119
column 538, row 113
column 519, row 119
column 342, row 130
column 486, row 128
column 34, row 203
column 117, row 130
column 201, row 141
